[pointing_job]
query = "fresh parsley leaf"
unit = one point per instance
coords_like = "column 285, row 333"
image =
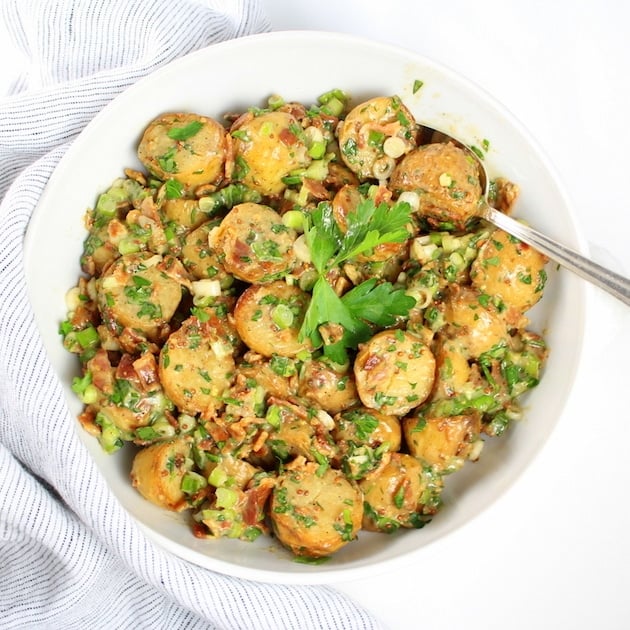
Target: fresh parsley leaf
column 371, row 225
column 323, row 237
column 185, row 132
column 325, row 307
column 378, row 303
column 367, row 304
column 174, row 189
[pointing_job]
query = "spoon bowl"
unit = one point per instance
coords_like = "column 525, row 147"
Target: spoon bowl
column 610, row 281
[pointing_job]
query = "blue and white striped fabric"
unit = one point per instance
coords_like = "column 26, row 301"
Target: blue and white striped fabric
column 70, row 556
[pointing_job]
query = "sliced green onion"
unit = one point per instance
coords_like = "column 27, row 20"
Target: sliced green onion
column 317, row 150
column 294, row 219
column 317, row 169
column 111, row 436
column 88, row 337
column 106, row 204
column 218, row 477
column 251, row 533
column 128, row 246
column 147, row 434
column 275, row 101
column 334, row 106
column 282, row 316
column 192, row 482
column 273, row 416
column 282, row 366
column 84, row 389
column 226, row 497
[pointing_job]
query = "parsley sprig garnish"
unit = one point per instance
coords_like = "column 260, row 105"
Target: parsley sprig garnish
column 369, row 303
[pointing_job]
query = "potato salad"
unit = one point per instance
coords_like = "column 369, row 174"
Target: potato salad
column 296, row 320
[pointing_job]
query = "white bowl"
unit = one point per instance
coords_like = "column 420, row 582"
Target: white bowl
column 300, row 66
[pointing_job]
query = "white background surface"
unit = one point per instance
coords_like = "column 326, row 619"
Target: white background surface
column 554, row 552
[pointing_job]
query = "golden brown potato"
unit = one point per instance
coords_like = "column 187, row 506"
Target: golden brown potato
column 444, row 442
column 197, row 363
column 362, row 425
column 474, row 322
column 256, row 245
column 394, row 372
column 446, row 179
column 184, row 212
column 186, row 147
column 326, row 387
column 130, row 395
column 400, row 494
column 141, row 292
column 510, row 270
column 315, row 514
column 268, row 318
column 363, row 437
column 344, row 202
column 202, row 260
column 157, row 472
column 298, row 433
column 453, row 369
column 261, row 371
column 267, row 148
column 374, row 135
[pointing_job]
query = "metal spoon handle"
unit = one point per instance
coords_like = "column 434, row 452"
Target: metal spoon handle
column 611, row 282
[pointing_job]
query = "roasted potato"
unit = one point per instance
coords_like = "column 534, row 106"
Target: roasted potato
column 268, row 318
column 157, row 472
column 394, row 372
column 255, row 244
column 374, row 135
column 267, row 148
column 187, row 147
column 510, row 270
column 447, row 181
column 315, row 514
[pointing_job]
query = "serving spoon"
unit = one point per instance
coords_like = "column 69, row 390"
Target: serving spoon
column 613, row 283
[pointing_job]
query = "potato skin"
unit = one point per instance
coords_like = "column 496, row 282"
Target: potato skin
column 510, row 270
column 367, row 127
column 364, row 437
column 315, row 515
column 184, row 212
column 254, row 315
column 362, row 425
column 193, row 161
column 444, row 442
column 199, row 258
column 139, row 291
column 197, row 364
column 157, row 472
column 453, row 371
column 256, row 246
column 327, row 388
column 475, row 323
column 299, row 435
column 394, row 372
column 447, row 180
column 399, row 494
column 267, row 149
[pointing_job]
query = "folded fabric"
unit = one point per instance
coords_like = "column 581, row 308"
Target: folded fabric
column 70, row 556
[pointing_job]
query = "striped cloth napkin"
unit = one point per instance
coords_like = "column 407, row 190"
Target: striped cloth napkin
column 70, row 556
